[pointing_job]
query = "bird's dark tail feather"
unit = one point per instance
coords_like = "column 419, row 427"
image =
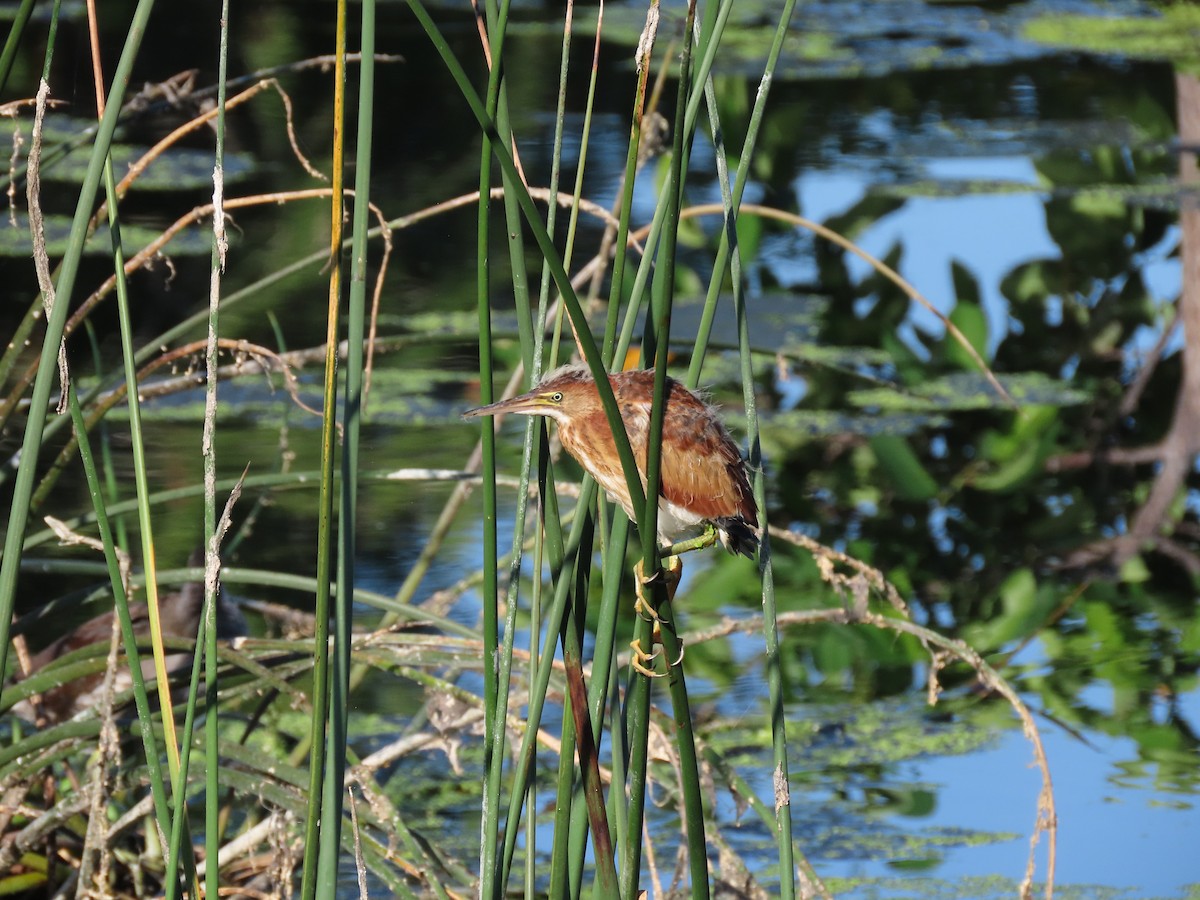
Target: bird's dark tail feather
column 737, row 536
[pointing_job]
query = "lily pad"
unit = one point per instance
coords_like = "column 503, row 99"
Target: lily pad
column 179, row 169
column 825, row 422
column 1173, row 34
column 15, row 240
column 67, row 149
column 949, row 187
column 971, row 391
column 830, row 355
column 848, row 38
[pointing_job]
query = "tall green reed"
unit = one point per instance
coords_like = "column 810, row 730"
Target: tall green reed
column 566, row 874
column 323, row 822
column 586, row 733
column 47, row 370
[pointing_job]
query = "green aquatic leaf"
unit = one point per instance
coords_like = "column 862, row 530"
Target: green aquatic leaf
column 1033, row 282
column 1021, row 454
column 830, row 355
column 966, row 285
column 1024, row 608
column 863, row 215
column 968, row 317
column 909, row 479
column 1097, row 204
column 833, row 652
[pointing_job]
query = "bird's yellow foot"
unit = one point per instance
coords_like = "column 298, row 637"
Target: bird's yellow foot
column 670, row 574
column 641, row 605
column 641, row 660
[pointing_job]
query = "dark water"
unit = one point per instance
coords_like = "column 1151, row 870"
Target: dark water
column 990, row 182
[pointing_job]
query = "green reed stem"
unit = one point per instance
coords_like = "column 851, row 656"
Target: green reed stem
column 586, row 739
column 321, row 821
column 603, row 671
column 300, row 584
column 175, row 761
column 618, row 754
column 9, row 54
column 149, row 562
column 636, row 730
column 727, row 248
column 129, row 638
column 536, row 444
column 585, row 134
column 55, row 321
column 620, row 245
column 348, row 494
column 491, row 887
column 497, row 735
column 561, row 859
column 111, row 488
column 545, row 243
column 663, row 294
column 540, row 364
column 727, row 252
column 179, row 784
column 535, row 629
column 556, row 553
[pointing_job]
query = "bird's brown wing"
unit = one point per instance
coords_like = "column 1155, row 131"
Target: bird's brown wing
column 702, row 470
column 708, row 478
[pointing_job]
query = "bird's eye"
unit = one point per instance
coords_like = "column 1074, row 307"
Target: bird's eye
column 556, row 397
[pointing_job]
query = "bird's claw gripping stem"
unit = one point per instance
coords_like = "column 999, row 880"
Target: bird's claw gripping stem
column 670, row 573
column 641, row 658
column 641, row 605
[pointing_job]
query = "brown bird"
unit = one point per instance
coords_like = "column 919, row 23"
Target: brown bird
column 180, row 618
column 703, row 479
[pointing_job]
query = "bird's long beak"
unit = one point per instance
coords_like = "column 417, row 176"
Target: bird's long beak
column 524, row 405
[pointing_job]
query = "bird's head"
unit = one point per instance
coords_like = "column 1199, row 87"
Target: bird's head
column 568, row 393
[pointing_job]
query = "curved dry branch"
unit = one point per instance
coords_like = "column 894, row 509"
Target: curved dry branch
column 713, row 209
column 857, row 587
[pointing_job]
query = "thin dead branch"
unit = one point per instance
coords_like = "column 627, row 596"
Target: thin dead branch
column 940, row 649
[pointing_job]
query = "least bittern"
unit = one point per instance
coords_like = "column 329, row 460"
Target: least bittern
column 703, row 485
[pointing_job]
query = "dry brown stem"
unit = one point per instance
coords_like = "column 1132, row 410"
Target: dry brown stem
column 37, row 233
column 857, row 586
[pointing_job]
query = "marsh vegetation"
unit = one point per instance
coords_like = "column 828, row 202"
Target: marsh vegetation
column 935, row 273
